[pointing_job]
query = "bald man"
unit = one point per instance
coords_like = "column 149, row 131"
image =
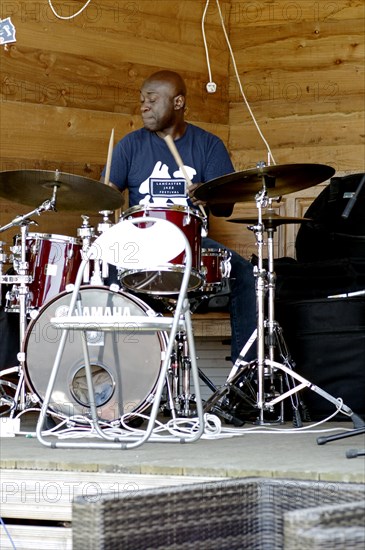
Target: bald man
column 143, row 164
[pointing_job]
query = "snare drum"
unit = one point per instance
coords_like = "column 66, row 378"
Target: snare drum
column 125, row 366
column 53, row 263
column 166, row 279
column 215, row 268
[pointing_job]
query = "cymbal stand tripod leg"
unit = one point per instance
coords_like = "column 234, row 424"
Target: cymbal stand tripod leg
column 22, row 295
column 275, row 338
column 269, row 363
column 268, row 337
column 22, row 279
column 241, row 366
column 261, row 278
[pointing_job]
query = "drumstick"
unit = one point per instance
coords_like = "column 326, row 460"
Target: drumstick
column 179, row 162
column 109, row 158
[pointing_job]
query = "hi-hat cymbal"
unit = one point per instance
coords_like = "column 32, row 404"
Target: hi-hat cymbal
column 77, row 193
column 277, row 180
column 270, row 220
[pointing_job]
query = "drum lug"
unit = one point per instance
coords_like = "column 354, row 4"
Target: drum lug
column 226, row 265
column 21, row 357
column 33, row 314
column 187, row 219
column 33, row 398
column 152, row 313
column 106, row 223
column 114, row 287
column 204, row 230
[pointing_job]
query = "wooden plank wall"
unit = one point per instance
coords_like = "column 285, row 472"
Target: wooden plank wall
column 65, row 84
column 301, row 66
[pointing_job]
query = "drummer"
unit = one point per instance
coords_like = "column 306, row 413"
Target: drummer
column 143, row 154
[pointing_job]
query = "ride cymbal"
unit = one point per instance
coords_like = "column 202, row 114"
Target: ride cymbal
column 77, row 193
column 276, row 180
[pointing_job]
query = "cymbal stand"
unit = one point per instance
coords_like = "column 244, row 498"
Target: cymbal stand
column 261, row 202
column 267, row 335
column 3, row 261
column 275, row 339
column 86, row 233
column 266, row 364
column 22, row 278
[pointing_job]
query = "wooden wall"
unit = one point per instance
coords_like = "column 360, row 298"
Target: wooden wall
column 301, row 66
column 66, row 84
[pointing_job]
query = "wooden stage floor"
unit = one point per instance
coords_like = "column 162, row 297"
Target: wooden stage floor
column 39, row 483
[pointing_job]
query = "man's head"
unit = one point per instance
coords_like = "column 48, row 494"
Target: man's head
column 162, row 99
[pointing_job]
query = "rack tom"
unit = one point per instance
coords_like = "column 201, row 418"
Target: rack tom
column 166, row 279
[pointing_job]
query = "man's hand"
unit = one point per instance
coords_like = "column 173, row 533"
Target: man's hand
column 196, row 202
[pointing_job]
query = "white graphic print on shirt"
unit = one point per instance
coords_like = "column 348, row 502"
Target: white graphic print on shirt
column 160, row 189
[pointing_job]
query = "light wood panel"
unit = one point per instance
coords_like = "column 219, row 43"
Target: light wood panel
column 265, row 13
column 74, row 81
column 281, row 94
column 75, row 136
column 301, row 66
column 65, row 84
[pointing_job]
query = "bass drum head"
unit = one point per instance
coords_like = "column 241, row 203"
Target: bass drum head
column 125, row 366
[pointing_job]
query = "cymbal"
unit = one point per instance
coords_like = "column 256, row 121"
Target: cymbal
column 77, row 193
column 278, row 180
column 270, row 220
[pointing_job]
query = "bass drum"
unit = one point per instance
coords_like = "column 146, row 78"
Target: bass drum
column 125, row 366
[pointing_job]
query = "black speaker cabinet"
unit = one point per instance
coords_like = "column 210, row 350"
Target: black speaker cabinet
column 326, row 339
column 330, row 234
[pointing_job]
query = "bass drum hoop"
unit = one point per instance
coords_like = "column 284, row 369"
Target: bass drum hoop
column 125, row 366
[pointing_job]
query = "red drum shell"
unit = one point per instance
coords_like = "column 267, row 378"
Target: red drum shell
column 166, row 279
column 53, row 264
column 212, row 261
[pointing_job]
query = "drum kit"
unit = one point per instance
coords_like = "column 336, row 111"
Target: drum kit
column 45, row 265
column 38, row 284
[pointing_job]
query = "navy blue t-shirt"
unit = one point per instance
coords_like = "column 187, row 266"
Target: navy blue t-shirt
column 143, row 164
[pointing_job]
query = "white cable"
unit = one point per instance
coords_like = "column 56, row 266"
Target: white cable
column 175, row 427
column 80, row 426
column 308, row 429
column 205, row 40
column 270, row 155
column 69, row 16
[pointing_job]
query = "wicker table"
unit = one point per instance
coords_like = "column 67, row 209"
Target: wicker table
column 223, row 515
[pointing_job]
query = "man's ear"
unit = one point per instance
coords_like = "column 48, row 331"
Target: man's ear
column 179, row 102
